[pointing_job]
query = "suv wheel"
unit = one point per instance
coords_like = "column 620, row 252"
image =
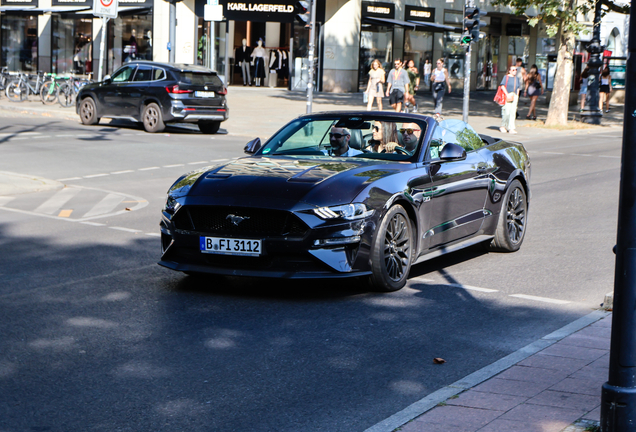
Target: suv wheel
column 152, row 119
column 209, row 127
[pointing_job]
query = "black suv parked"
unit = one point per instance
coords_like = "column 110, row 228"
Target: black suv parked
column 156, row 94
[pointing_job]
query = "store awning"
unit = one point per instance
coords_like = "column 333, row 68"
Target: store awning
column 121, row 9
column 429, row 26
column 389, row 22
column 63, row 9
column 17, row 8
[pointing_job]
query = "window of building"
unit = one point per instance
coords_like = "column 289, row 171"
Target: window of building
column 20, row 42
column 376, row 42
column 71, row 45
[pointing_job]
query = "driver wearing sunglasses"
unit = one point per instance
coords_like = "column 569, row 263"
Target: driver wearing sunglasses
column 339, row 141
column 410, row 133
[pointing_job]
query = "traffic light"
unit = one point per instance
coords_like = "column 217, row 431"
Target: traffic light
column 472, row 24
column 303, row 12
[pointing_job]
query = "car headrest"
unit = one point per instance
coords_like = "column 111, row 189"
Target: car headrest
column 355, row 141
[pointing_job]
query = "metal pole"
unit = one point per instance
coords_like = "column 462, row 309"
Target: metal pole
column 172, row 31
column 618, row 397
column 466, row 85
column 592, row 113
column 102, row 48
column 312, row 40
column 227, row 53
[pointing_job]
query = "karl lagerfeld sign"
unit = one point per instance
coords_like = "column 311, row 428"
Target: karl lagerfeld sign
column 261, row 11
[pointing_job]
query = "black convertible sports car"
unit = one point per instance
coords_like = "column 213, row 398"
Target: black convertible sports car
column 349, row 194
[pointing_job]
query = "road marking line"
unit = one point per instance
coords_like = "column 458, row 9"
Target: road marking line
column 5, row 199
column 172, row 166
column 553, row 153
column 579, row 154
column 125, row 229
column 153, row 234
column 65, row 213
column 122, row 172
column 107, row 204
column 474, row 288
column 612, row 157
column 16, row 139
column 197, row 163
column 69, row 179
column 93, row 224
column 147, row 169
column 96, row 175
column 10, row 134
column 539, row 299
column 66, row 135
column 54, row 203
column 218, row 160
column 38, row 137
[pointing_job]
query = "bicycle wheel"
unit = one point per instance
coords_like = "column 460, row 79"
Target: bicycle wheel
column 66, row 95
column 17, row 91
column 48, row 93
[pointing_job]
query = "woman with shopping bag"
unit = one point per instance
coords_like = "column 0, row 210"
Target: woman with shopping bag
column 375, row 89
column 510, row 86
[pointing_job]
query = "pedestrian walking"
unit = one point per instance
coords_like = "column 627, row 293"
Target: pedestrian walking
column 427, row 73
column 375, row 88
column 583, row 91
column 414, row 85
column 533, row 87
column 511, row 88
column 605, row 89
column 440, row 80
column 396, row 85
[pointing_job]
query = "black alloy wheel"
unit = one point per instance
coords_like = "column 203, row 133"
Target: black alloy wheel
column 209, row 127
column 392, row 252
column 152, row 119
column 511, row 228
column 88, row 112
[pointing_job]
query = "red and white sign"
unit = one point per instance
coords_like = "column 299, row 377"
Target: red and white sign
column 105, row 8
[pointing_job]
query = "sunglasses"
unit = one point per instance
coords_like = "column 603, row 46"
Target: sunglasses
column 409, row 131
column 376, row 128
column 336, row 135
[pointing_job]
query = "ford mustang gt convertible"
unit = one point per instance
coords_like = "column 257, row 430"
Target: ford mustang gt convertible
column 349, row 194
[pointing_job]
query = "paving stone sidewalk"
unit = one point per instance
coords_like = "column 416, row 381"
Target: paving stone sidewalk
column 557, row 389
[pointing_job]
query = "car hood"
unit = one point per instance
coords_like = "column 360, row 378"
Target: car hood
column 285, row 182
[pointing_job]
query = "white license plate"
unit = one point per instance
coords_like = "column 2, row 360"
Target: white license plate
column 230, row 246
column 203, row 94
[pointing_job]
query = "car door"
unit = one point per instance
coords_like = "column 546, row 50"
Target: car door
column 112, row 95
column 458, row 189
column 132, row 93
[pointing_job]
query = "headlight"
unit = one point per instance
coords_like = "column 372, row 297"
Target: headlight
column 347, row 211
column 171, row 205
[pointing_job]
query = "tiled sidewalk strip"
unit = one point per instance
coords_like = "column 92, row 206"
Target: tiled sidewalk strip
column 547, row 391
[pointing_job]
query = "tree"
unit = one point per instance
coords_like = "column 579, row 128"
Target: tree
column 561, row 18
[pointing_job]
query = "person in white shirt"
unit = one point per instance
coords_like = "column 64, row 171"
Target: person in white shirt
column 339, row 141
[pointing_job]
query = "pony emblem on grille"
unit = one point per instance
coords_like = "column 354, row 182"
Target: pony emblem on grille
column 236, row 219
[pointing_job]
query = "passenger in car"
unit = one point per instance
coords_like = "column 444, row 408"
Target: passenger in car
column 384, row 137
column 410, row 133
column 339, row 141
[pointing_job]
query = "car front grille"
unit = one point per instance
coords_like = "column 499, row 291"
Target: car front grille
column 255, row 222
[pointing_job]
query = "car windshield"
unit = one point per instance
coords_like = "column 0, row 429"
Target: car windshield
column 359, row 136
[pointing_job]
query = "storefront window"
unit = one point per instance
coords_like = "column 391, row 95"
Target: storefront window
column 129, row 38
column 211, row 55
column 20, row 42
column 487, row 61
column 376, row 42
column 455, row 53
column 518, row 47
column 418, row 46
column 71, row 45
column 546, row 60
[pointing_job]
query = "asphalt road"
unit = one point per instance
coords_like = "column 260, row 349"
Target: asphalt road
column 95, row 336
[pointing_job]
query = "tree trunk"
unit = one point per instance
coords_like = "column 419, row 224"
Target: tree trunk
column 560, row 100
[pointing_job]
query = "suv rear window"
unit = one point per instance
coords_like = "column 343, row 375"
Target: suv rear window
column 200, row 79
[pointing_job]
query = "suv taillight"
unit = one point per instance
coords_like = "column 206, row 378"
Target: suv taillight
column 223, row 91
column 175, row 89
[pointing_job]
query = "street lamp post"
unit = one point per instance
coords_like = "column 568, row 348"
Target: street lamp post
column 592, row 113
column 618, row 397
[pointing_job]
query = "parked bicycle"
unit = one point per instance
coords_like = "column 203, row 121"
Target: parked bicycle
column 67, row 92
column 48, row 92
column 19, row 89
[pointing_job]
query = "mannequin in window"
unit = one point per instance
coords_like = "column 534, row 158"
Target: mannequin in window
column 242, row 56
column 258, row 56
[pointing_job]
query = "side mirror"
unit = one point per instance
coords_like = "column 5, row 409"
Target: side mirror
column 107, row 79
column 452, row 152
column 252, row 146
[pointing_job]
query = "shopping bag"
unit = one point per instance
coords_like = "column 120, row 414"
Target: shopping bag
column 365, row 97
column 500, row 97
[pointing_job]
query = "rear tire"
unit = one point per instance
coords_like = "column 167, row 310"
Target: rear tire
column 88, row 111
column 17, row 91
column 47, row 93
column 152, row 118
column 511, row 227
column 392, row 252
column 66, row 95
column 209, row 127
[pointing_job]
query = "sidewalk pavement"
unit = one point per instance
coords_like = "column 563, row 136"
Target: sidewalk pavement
column 552, row 385
column 261, row 111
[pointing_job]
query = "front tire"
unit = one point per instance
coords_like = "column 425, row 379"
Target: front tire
column 88, row 112
column 48, row 93
column 209, row 127
column 392, row 252
column 152, row 118
column 511, row 227
column 17, row 91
